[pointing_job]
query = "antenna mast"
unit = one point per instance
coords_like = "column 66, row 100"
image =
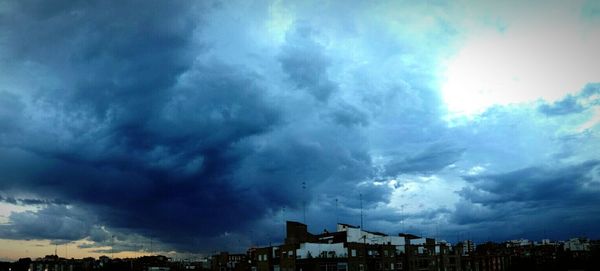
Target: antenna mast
column 361, row 212
column 304, row 200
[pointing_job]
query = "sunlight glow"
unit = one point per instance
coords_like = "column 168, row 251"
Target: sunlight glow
column 540, row 60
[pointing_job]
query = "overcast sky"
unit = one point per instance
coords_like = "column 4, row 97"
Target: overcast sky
column 190, row 126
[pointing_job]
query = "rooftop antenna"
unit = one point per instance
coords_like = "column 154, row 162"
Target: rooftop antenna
column 304, row 200
column 361, row 212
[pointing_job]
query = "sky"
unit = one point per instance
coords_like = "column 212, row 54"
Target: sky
column 190, row 127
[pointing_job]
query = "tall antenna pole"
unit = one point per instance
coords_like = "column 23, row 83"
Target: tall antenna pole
column 361, row 212
column 304, row 200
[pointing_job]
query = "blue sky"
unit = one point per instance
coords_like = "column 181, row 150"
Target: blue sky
column 193, row 125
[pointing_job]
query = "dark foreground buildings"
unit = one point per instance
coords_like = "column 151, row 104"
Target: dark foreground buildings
column 350, row 248
column 104, row 263
column 353, row 249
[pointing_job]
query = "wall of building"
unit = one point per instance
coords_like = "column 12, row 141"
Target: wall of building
column 356, row 235
column 316, row 249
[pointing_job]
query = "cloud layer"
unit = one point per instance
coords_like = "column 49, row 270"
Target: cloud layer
column 195, row 125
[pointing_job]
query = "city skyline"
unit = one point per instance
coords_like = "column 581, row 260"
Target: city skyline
column 350, row 247
column 362, row 235
column 188, row 127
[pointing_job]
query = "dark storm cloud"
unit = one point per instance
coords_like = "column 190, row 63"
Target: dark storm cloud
column 30, row 201
column 527, row 201
column 469, row 213
column 305, row 62
column 432, row 159
column 148, row 135
column 54, row 222
column 281, row 161
column 185, row 124
column 10, row 112
column 177, row 176
column 348, row 115
column 536, row 185
column 146, row 138
column 138, row 124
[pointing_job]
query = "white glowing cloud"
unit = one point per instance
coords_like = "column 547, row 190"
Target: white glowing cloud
column 6, row 209
column 541, row 57
column 418, row 193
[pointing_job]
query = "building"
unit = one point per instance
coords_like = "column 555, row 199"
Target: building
column 229, row 262
column 351, row 248
column 577, row 244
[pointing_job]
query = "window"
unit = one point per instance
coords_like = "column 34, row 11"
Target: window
column 353, row 253
column 361, row 267
column 385, row 253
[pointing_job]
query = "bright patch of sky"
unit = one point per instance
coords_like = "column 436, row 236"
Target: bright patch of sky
column 521, row 57
column 418, row 193
column 6, row 209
